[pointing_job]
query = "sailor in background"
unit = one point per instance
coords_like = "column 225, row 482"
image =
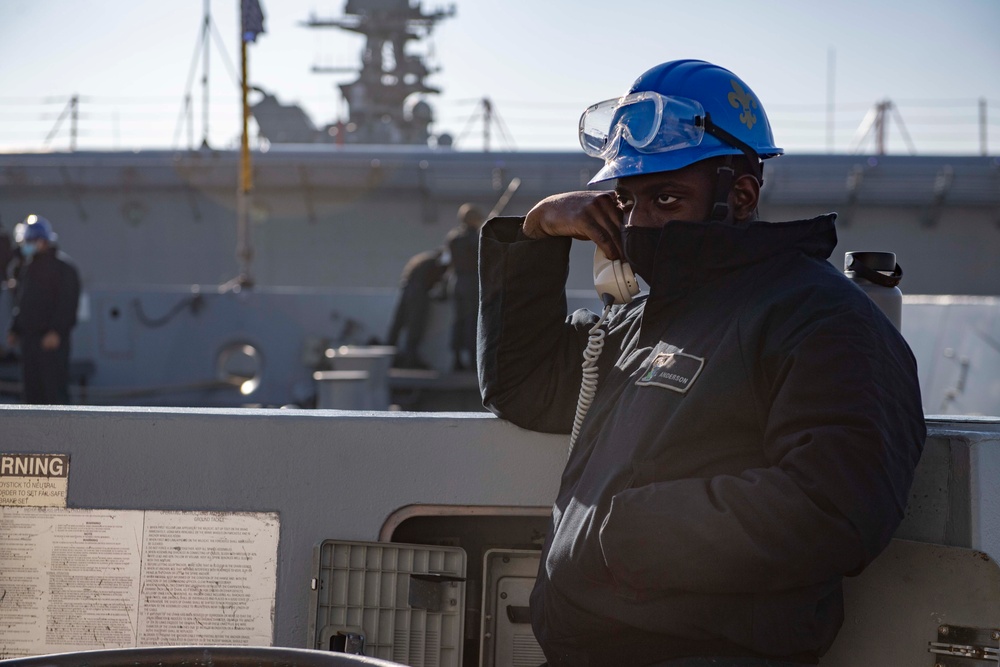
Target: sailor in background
column 7, row 254
column 420, row 281
column 45, row 305
column 463, row 246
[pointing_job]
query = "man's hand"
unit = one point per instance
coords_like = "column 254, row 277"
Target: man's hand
column 587, row 215
column 11, row 339
column 50, row 341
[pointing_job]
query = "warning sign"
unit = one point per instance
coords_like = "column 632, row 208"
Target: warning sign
column 33, row 480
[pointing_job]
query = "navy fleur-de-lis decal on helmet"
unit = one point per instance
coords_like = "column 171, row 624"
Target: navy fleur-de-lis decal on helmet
column 741, row 98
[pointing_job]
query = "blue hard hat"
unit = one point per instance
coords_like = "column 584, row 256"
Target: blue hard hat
column 34, row 228
column 729, row 104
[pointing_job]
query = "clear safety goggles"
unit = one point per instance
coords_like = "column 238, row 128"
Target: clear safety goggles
column 648, row 121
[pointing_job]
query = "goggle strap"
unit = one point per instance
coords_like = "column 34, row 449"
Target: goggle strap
column 752, row 158
column 723, row 184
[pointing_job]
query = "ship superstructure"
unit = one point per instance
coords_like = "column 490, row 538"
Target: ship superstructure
column 385, row 102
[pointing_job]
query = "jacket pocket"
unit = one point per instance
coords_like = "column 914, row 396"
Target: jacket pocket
column 576, row 556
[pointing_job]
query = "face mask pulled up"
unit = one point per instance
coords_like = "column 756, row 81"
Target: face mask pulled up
column 639, row 244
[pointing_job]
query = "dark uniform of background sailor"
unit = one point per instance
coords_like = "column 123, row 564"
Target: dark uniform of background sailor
column 422, row 273
column 45, row 305
column 7, row 254
column 463, row 246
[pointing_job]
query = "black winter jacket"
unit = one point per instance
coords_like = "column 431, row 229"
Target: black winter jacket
column 48, row 293
column 752, row 441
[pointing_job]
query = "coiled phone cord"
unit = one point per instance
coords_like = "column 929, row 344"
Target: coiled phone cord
column 588, row 386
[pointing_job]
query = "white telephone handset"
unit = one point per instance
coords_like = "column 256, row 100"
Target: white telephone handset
column 615, row 284
column 613, row 279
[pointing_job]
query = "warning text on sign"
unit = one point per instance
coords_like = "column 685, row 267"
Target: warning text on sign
column 33, row 480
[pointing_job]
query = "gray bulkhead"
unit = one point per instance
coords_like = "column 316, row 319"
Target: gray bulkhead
column 454, row 478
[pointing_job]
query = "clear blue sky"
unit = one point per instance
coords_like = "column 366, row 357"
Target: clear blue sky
column 540, row 61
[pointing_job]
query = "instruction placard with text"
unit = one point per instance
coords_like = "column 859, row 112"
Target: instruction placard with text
column 80, row 579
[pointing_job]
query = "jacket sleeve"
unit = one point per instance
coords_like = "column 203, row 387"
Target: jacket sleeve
column 843, row 432
column 68, row 300
column 530, row 353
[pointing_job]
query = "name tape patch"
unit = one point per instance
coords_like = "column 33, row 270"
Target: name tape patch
column 672, row 370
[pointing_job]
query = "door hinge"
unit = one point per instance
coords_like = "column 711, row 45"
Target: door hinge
column 957, row 646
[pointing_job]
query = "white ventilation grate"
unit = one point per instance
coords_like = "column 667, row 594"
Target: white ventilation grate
column 406, row 601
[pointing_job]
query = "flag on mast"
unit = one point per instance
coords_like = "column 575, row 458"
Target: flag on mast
column 253, row 19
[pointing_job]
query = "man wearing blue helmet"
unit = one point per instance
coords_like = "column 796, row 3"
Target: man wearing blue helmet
column 756, row 420
column 45, row 305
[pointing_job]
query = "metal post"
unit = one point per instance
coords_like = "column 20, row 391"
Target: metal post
column 74, row 118
column 880, row 126
column 244, row 248
column 205, row 34
column 983, row 147
column 487, row 121
column 189, row 116
column 830, row 90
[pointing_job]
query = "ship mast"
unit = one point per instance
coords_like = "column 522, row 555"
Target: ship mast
column 377, row 99
column 251, row 25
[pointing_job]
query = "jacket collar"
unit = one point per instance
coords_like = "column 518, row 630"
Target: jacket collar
column 690, row 254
